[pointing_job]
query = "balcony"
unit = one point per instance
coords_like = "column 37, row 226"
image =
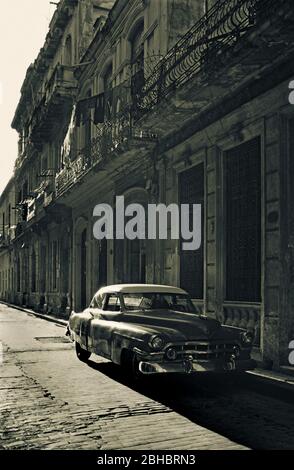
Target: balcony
column 31, row 209
column 44, row 196
column 28, row 151
column 58, row 97
column 115, row 138
column 234, row 40
column 7, row 238
column 33, row 206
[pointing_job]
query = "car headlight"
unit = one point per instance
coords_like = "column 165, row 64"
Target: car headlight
column 156, row 342
column 247, row 337
column 171, row 354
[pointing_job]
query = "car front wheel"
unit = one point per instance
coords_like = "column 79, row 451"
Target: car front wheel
column 82, row 354
column 130, row 365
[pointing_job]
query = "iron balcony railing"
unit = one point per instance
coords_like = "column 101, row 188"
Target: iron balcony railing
column 113, row 136
column 204, row 48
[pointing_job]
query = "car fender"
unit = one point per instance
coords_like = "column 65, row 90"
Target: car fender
column 119, row 343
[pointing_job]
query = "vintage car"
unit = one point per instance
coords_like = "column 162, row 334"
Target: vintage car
column 151, row 329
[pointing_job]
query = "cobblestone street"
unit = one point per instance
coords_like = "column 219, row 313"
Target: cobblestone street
column 50, row 400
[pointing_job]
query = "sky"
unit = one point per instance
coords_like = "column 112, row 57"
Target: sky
column 23, row 28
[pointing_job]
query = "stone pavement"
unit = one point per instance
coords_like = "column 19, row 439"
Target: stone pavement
column 50, row 400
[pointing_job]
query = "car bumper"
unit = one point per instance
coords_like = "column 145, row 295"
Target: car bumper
column 188, row 366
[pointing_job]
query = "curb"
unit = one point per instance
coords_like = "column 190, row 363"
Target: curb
column 42, row 316
column 279, row 380
column 274, row 386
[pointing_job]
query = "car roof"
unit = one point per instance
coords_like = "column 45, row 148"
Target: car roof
column 141, row 288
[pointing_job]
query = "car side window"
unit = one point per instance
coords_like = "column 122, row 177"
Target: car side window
column 97, row 301
column 112, row 303
column 93, row 303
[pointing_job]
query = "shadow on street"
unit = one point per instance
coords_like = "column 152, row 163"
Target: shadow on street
column 240, row 409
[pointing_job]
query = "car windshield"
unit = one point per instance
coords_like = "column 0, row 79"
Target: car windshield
column 155, row 300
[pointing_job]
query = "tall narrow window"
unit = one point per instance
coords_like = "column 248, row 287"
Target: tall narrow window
column 108, row 98
column 18, row 274
column 43, row 269
column 25, row 190
column 88, row 128
column 102, row 262
column 136, row 261
column 137, row 49
column 191, row 191
column 54, row 265
column 243, row 224
column 137, row 63
column 65, row 259
column 68, row 51
column 83, row 255
column 33, row 271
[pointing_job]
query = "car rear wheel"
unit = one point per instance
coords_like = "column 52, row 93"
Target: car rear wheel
column 82, row 354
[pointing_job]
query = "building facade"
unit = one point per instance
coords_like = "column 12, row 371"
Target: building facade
column 162, row 102
column 8, row 217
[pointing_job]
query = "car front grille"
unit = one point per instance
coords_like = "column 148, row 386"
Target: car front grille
column 206, row 351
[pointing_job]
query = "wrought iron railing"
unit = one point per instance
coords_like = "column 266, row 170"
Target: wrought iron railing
column 111, row 135
column 85, row 159
column 204, row 48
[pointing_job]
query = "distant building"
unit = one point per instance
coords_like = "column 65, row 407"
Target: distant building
column 183, row 101
column 8, row 221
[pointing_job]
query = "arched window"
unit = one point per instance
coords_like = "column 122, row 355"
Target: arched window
column 68, row 51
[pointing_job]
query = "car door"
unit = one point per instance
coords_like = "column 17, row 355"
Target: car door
column 84, row 327
column 104, row 321
column 93, row 313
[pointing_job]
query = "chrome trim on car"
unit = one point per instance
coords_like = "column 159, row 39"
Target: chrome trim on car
column 188, row 366
column 204, row 350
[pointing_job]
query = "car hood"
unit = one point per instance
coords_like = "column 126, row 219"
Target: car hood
column 176, row 325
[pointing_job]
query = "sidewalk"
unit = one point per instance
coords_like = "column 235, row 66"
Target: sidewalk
column 43, row 316
column 283, row 378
